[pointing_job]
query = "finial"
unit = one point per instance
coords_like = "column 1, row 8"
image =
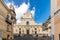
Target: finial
column 11, row 7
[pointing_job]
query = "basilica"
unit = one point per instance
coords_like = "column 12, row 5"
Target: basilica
column 28, row 26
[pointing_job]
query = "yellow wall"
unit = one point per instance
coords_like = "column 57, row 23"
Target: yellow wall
column 3, row 25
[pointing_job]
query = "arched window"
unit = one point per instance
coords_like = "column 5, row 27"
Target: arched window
column 35, row 28
column 27, row 22
column 19, row 28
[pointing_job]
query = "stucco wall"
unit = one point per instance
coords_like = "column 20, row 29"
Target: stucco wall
column 57, row 26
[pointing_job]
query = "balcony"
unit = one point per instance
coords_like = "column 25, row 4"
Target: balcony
column 8, row 19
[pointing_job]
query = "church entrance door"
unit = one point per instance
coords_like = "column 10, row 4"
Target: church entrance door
column 27, row 31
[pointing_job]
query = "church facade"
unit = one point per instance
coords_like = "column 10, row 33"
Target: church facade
column 28, row 26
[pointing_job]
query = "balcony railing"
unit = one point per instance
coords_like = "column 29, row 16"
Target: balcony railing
column 8, row 20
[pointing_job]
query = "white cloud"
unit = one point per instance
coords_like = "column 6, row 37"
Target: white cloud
column 21, row 9
column 8, row 3
column 33, row 11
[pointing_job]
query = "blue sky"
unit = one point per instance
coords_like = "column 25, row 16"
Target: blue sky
column 42, row 8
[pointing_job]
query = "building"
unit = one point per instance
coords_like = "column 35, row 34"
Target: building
column 57, row 25
column 7, row 19
column 55, row 13
column 47, row 26
column 28, row 26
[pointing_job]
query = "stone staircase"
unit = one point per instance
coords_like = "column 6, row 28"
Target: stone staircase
column 30, row 37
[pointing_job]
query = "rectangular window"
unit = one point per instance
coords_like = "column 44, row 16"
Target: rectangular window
column 19, row 32
column 35, row 32
column 1, row 33
column 8, row 28
column 59, row 36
